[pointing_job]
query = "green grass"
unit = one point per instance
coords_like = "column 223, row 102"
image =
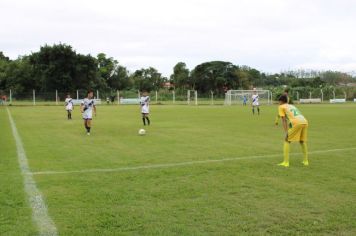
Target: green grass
column 249, row 196
column 15, row 214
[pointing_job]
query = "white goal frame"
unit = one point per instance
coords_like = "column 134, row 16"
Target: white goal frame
column 233, row 97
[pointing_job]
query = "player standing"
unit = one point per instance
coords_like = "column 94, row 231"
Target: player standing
column 69, row 106
column 87, row 107
column 255, row 102
column 244, row 100
column 286, row 91
column 297, row 131
column 145, row 107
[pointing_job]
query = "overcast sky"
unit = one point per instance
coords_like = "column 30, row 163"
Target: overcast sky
column 269, row 35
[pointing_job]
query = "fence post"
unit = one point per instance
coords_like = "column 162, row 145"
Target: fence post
column 269, row 98
column 174, row 96
column 156, row 96
column 310, row 96
column 97, row 94
column 34, row 97
column 212, row 97
column 10, row 96
column 188, row 96
column 56, row 97
column 334, row 93
column 196, row 97
column 118, row 97
column 322, row 95
column 138, row 94
column 345, row 95
column 77, row 95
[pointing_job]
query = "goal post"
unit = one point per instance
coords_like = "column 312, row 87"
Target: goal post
column 237, row 97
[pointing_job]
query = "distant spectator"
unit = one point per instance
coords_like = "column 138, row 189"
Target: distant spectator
column 3, row 100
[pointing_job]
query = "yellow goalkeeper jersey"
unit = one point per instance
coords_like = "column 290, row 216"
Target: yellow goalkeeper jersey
column 292, row 114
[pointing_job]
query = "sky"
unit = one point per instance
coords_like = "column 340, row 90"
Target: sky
column 269, row 35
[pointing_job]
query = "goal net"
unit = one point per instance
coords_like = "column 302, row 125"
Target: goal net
column 237, row 97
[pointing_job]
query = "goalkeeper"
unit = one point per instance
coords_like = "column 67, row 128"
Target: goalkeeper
column 297, row 131
column 288, row 101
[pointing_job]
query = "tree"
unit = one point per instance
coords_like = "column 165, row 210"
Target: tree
column 254, row 76
column 18, row 75
column 335, row 77
column 147, row 79
column 3, row 57
column 105, row 65
column 218, row 76
column 60, row 67
column 54, row 67
column 180, row 76
column 317, row 82
column 4, row 62
column 85, row 74
column 119, row 80
column 243, row 79
column 210, row 76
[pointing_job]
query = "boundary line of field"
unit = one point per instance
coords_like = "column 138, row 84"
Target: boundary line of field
column 40, row 215
column 168, row 165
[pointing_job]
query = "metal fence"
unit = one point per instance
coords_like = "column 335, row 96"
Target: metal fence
column 164, row 96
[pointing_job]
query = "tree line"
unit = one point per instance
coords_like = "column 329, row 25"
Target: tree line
column 60, row 67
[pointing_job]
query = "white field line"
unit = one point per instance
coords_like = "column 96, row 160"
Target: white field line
column 167, row 165
column 39, row 209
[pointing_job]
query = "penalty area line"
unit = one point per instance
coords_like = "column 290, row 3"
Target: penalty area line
column 168, row 165
column 40, row 214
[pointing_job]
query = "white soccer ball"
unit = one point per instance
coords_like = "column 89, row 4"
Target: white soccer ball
column 142, row 132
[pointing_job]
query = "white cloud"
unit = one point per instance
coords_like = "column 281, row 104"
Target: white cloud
column 269, row 35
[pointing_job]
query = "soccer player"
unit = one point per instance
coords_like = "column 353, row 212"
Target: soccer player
column 297, row 131
column 87, row 107
column 69, row 106
column 244, row 100
column 255, row 102
column 286, row 91
column 145, row 107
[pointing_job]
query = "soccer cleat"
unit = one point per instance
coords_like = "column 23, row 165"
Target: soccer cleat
column 305, row 163
column 284, row 164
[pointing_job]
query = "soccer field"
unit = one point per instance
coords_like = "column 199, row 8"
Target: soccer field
column 199, row 170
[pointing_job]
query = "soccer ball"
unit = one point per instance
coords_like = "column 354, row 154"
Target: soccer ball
column 142, row 132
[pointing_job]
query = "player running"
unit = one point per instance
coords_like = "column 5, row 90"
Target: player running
column 297, row 131
column 255, row 102
column 145, row 107
column 69, row 106
column 87, row 107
